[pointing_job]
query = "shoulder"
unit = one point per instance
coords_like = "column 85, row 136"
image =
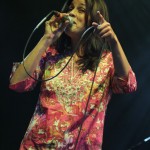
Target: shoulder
column 106, row 60
column 52, row 56
column 106, row 55
column 52, row 51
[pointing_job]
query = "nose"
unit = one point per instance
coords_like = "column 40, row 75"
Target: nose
column 72, row 13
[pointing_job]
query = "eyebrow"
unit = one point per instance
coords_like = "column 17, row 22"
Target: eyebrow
column 83, row 4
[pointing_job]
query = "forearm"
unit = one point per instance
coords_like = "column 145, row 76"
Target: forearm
column 31, row 61
column 121, row 63
column 105, row 31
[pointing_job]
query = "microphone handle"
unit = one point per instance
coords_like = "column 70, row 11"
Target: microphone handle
column 140, row 143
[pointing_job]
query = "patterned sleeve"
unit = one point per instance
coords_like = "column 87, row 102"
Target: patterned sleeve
column 29, row 83
column 124, row 84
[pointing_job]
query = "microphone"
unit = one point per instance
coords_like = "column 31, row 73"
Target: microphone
column 62, row 19
column 140, row 143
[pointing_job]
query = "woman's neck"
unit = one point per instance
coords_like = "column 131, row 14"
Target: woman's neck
column 74, row 44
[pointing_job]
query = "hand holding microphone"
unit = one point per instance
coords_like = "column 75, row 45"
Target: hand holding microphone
column 57, row 24
column 62, row 18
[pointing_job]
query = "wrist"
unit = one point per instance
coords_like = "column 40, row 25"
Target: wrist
column 114, row 42
column 47, row 39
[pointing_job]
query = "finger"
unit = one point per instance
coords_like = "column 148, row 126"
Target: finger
column 102, row 26
column 104, row 31
column 47, row 23
column 64, row 25
column 48, row 27
column 106, row 35
column 95, row 24
column 101, row 32
column 52, row 19
column 61, row 29
column 102, row 20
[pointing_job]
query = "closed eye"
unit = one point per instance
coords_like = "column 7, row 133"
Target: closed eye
column 81, row 9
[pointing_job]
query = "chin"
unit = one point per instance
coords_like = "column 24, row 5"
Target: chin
column 72, row 32
column 69, row 31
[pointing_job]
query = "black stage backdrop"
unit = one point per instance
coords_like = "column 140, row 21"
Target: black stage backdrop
column 128, row 116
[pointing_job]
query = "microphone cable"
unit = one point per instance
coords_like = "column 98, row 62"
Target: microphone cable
column 28, row 41
column 139, row 143
column 88, row 100
column 41, row 80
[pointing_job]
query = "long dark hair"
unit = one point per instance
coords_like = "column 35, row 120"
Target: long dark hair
column 91, row 46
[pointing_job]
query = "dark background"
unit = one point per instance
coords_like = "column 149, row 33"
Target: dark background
column 128, row 116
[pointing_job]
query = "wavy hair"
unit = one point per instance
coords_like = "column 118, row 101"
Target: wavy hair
column 93, row 45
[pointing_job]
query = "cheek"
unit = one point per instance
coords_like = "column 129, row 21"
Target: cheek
column 81, row 21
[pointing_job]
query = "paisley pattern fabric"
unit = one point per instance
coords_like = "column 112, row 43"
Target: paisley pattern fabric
column 60, row 120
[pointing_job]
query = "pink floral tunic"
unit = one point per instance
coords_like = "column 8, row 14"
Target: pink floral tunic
column 62, row 101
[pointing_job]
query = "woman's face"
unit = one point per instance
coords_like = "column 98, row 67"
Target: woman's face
column 76, row 11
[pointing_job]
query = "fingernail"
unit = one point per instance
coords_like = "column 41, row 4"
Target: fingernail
column 94, row 31
column 98, row 11
column 98, row 27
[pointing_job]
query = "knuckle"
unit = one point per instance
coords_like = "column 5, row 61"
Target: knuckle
column 46, row 22
column 109, row 28
column 108, row 24
column 110, row 32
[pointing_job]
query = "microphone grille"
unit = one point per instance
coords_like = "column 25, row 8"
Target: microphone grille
column 68, row 18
